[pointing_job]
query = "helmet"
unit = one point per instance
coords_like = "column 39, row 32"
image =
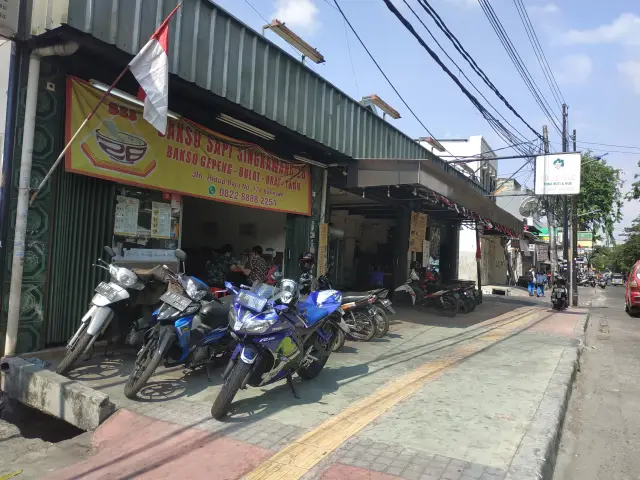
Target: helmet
column 306, row 260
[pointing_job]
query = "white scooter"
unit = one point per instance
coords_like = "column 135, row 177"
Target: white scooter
column 114, row 298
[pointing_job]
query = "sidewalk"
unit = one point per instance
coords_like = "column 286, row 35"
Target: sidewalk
column 477, row 396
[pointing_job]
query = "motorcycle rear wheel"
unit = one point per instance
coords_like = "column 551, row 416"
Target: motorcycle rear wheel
column 448, row 307
column 364, row 328
column 320, row 352
column 232, row 384
column 73, row 354
column 382, row 322
column 146, row 363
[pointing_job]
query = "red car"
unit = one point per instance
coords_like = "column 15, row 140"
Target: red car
column 632, row 294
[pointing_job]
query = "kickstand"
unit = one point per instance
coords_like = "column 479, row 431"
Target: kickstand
column 209, row 370
column 292, row 387
column 106, row 350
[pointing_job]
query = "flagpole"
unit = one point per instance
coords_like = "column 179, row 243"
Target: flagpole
column 75, row 135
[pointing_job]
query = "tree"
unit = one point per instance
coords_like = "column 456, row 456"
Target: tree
column 634, row 194
column 600, row 199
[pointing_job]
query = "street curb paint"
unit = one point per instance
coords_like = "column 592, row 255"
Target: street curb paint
column 536, row 455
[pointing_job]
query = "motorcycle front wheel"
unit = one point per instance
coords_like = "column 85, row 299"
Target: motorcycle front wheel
column 338, row 340
column 73, row 354
column 146, row 363
column 448, row 306
column 232, row 384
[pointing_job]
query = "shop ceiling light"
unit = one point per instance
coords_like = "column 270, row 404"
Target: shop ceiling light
column 284, row 32
column 315, row 163
column 384, row 106
column 126, row 96
column 234, row 122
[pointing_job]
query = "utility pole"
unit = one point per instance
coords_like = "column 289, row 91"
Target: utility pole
column 550, row 202
column 565, row 230
column 574, row 241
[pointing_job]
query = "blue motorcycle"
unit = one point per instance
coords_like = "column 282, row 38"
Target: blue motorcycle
column 189, row 328
column 277, row 337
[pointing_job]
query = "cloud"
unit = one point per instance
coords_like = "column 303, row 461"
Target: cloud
column 548, row 9
column 298, row 14
column 631, row 70
column 574, row 69
column 624, row 30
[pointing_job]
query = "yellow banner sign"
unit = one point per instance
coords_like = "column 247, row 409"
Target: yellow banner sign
column 118, row 144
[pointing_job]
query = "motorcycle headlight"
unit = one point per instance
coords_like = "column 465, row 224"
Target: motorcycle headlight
column 288, row 291
column 247, row 322
column 126, row 278
column 194, row 291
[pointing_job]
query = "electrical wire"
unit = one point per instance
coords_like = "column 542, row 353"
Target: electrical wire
column 608, row 145
column 385, row 75
column 537, row 48
column 485, row 113
column 516, row 59
column 353, row 69
column 469, row 59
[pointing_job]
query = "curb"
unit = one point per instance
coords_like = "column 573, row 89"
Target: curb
column 536, row 455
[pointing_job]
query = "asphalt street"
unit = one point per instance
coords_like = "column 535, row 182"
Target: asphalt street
column 601, row 436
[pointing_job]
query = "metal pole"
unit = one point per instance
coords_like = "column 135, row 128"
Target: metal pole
column 478, row 260
column 565, row 230
column 551, row 216
column 13, row 315
column 574, row 241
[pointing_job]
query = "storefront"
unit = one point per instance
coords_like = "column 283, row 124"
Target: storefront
column 192, row 188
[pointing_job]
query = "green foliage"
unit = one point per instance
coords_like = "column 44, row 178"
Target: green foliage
column 634, row 194
column 621, row 257
column 600, row 199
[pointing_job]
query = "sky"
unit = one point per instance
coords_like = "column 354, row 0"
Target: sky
column 592, row 47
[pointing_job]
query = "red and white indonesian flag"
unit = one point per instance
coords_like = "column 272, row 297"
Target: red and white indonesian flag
column 151, row 69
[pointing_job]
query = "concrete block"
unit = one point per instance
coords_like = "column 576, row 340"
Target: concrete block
column 39, row 388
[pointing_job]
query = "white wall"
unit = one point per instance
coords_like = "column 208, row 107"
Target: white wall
column 270, row 226
column 5, row 55
column 493, row 264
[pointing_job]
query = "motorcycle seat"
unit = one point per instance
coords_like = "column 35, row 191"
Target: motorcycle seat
column 354, row 298
column 155, row 273
column 214, row 313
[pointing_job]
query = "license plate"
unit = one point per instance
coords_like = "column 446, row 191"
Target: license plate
column 251, row 301
column 175, row 300
column 385, row 303
column 107, row 291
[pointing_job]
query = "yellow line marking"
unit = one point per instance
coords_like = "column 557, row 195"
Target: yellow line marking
column 293, row 461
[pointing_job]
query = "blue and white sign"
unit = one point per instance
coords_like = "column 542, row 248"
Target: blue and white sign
column 558, row 174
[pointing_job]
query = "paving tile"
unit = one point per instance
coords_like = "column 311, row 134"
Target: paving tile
column 394, row 471
column 427, row 476
column 415, row 468
column 409, row 475
column 362, row 464
column 378, row 467
column 399, row 464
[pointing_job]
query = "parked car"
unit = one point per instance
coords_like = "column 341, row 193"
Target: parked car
column 617, row 280
column 632, row 293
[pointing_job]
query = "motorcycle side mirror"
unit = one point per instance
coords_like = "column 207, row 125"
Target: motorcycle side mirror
column 180, row 255
column 109, row 251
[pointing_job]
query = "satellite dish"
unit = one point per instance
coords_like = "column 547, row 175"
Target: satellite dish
column 530, row 207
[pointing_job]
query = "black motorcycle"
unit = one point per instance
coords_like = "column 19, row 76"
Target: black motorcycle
column 560, row 293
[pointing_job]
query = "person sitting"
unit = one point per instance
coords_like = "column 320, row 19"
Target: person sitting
column 258, row 268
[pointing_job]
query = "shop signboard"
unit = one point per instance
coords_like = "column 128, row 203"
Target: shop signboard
column 9, row 18
column 118, row 144
column 323, row 242
column 558, row 174
column 418, row 231
column 585, row 240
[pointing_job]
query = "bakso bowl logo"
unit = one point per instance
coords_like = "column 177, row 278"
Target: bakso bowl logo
column 558, row 163
column 126, row 149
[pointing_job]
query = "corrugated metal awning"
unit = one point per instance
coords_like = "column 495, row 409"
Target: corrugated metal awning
column 424, row 173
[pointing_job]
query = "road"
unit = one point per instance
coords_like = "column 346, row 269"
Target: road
column 601, row 436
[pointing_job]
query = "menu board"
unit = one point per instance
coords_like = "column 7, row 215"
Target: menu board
column 126, row 221
column 160, row 220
